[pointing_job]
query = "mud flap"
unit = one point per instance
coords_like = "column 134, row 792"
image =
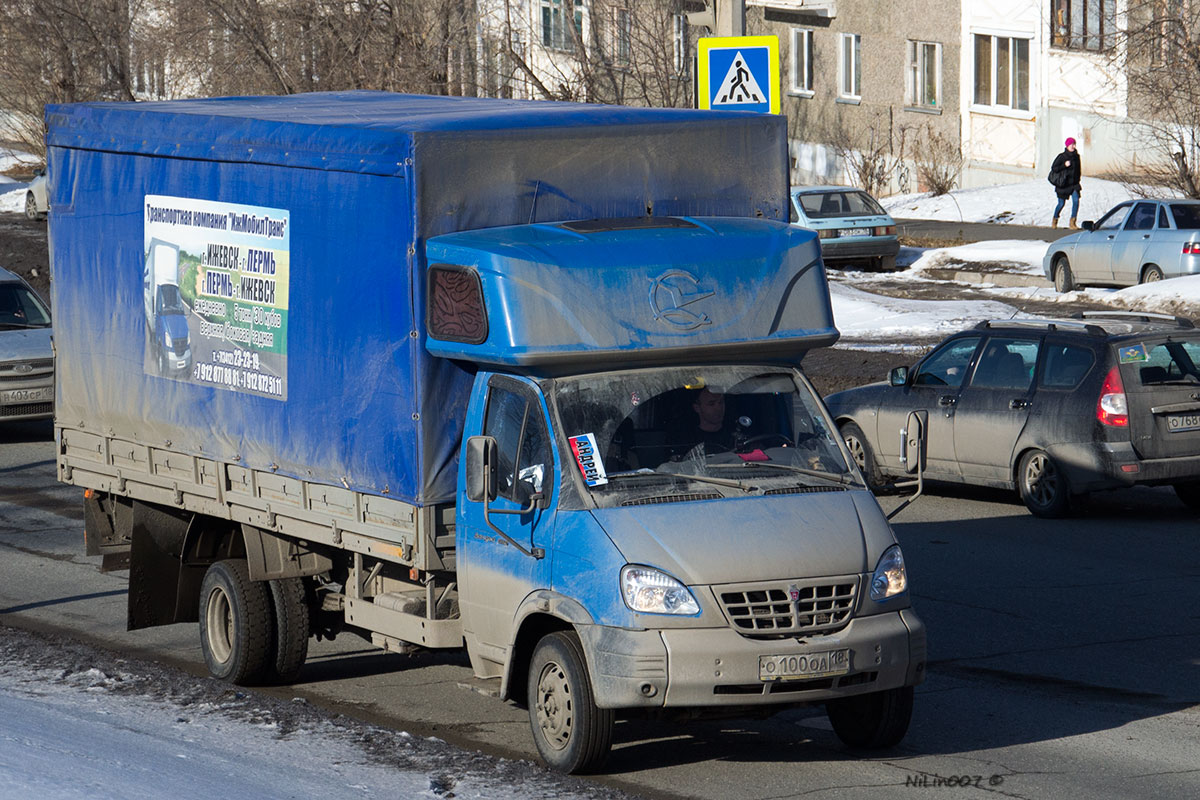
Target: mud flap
column 162, row 590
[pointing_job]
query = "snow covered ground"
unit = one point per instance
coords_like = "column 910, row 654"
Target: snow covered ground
column 82, row 724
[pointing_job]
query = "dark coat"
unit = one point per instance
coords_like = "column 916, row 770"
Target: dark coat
column 1066, row 177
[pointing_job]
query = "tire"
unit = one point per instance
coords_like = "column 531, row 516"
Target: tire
column 1042, row 485
column 1063, row 280
column 236, row 629
column 872, row 721
column 290, row 615
column 885, row 264
column 1152, row 274
column 162, row 360
column 31, row 209
column 572, row 734
column 1188, row 493
column 863, row 455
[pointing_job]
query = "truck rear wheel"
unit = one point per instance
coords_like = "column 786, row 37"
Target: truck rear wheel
column 872, row 721
column 572, row 734
column 236, row 628
column 291, row 623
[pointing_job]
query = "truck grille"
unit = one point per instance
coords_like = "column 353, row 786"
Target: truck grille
column 788, row 608
column 180, row 347
column 24, row 370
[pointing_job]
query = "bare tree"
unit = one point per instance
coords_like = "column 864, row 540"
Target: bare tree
column 938, row 159
column 1157, row 55
column 872, row 152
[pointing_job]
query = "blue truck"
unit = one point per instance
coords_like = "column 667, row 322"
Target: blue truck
column 511, row 376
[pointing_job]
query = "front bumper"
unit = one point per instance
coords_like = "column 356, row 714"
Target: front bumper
column 718, row 667
column 27, row 400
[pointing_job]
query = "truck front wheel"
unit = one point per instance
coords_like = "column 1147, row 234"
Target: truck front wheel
column 872, row 721
column 572, row 734
column 236, row 627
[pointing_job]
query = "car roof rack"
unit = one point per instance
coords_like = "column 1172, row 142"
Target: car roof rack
column 1135, row 316
column 1043, row 324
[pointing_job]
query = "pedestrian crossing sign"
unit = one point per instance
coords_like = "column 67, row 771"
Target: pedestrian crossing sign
column 738, row 73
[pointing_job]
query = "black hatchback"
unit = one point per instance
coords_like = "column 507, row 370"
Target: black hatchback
column 1053, row 408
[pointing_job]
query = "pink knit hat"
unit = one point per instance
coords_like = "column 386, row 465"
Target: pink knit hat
column 1070, row 141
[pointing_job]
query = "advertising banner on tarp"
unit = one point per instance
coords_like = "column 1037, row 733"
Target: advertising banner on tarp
column 216, row 294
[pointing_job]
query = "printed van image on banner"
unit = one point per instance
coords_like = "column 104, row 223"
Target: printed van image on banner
column 216, row 294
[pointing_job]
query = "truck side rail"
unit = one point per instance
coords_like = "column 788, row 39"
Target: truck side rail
column 381, row 527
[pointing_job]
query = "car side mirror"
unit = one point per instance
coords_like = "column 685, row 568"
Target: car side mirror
column 898, row 376
column 481, row 468
column 1089, row 225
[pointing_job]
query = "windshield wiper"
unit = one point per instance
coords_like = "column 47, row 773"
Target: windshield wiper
column 745, row 487
column 842, row 478
column 20, row 325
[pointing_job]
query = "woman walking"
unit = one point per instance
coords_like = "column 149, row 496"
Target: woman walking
column 1064, row 174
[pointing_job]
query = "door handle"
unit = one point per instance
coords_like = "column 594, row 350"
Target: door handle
column 1145, row 236
column 947, row 400
column 1019, row 403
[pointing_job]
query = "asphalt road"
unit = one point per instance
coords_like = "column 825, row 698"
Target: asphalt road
column 1065, row 656
column 976, row 231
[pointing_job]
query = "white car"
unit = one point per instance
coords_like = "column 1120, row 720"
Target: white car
column 36, row 202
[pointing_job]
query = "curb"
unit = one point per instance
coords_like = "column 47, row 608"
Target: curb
column 1007, row 279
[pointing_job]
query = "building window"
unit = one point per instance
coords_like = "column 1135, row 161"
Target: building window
column 622, row 35
column 1167, row 31
column 923, row 87
column 1002, row 72
column 1083, row 24
column 802, row 61
column 850, row 66
column 557, row 16
column 679, row 41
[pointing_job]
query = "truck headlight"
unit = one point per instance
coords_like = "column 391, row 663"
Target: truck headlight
column 649, row 591
column 167, row 342
column 889, row 579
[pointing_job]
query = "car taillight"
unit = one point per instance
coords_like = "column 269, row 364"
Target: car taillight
column 890, row 230
column 1191, row 248
column 1111, row 408
column 828, row 233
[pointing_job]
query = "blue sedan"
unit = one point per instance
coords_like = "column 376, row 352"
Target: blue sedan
column 850, row 224
column 1138, row 241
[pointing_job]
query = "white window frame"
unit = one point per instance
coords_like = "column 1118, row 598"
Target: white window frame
column 557, row 17
column 622, row 42
column 802, row 62
column 915, row 79
column 850, row 68
column 994, row 104
column 679, row 42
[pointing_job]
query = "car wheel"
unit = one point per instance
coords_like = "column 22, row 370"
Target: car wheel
column 872, row 721
column 572, row 733
column 31, row 209
column 235, row 623
column 1042, row 485
column 885, row 264
column 1188, row 493
column 1152, row 274
column 1063, row 280
column 864, row 457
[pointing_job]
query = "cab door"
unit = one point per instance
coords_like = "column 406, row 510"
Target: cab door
column 994, row 407
column 502, row 556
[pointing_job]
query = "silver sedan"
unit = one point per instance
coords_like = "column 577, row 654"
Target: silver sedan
column 1138, row 241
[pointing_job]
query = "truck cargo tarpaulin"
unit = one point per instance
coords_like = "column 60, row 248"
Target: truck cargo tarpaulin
column 344, row 390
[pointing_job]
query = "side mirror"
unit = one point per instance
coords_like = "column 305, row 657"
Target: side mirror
column 1089, row 225
column 481, row 469
column 898, row 376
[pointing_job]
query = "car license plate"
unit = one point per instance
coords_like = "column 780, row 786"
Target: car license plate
column 853, row 232
column 1183, row 422
column 27, row 395
column 809, row 665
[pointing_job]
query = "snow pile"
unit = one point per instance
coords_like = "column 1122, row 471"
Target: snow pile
column 1026, row 203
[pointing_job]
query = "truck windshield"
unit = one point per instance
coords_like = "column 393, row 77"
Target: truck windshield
column 696, row 431
column 169, row 299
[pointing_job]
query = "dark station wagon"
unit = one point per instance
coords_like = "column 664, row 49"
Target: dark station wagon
column 1052, row 408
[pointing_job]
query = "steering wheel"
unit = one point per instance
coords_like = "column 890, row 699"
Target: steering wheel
column 778, row 438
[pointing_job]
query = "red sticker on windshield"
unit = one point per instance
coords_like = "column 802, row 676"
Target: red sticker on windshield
column 588, row 459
